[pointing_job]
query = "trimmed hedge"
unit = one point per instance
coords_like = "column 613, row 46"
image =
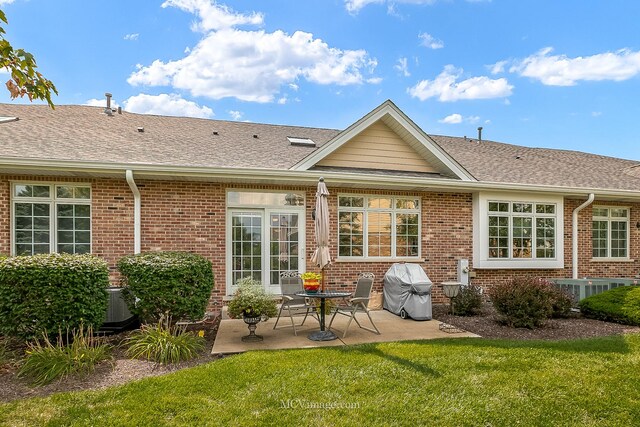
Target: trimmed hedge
column 177, row 284
column 51, row 293
column 620, row 305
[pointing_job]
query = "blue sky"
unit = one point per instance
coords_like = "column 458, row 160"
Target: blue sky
column 559, row 74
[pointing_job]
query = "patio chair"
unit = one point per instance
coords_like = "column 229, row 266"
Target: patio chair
column 290, row 283
column 358, row 303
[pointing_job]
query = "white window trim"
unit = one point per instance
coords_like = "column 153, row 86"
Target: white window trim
column 265, row 210
column 53, row 201
column 393, row 211
column 609, row 258
column 481, row 232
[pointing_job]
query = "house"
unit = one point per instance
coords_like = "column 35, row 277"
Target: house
column 87, row 179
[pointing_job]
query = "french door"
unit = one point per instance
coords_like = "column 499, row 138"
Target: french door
column 262, row 243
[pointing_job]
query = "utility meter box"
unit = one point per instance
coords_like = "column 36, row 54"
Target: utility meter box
column 463, row 271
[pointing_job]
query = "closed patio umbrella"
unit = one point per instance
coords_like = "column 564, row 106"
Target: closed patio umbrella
column 321, row 256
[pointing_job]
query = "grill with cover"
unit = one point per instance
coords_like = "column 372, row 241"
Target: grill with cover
column 407, row 291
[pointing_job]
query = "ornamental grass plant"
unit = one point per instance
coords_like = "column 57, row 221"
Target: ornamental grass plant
column 79, row 353
column 164, row 343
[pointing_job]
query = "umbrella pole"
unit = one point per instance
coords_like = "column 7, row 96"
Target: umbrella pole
column 322, row 279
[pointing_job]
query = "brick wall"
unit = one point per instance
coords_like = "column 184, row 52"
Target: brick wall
column 191, row 216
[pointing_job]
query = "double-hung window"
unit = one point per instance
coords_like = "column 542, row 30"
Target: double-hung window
column 378, row 227
column 51, row 218
column 610, row 232
column 517, row 233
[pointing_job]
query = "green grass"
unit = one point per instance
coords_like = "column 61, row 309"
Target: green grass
column 620, row 305
column 459, row 382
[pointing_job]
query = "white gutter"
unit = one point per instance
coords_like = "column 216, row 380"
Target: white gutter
column 292, row 177
column 574, row 235
column 137, row 207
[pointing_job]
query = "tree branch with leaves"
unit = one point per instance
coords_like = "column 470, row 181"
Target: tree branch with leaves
column 21, row 65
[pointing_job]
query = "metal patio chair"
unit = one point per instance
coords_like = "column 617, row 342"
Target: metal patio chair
column 358, row 303
column 290, row 284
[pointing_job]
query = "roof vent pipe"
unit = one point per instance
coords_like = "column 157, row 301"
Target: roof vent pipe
column 107, row 110
column 574, row 235
column 480, row 134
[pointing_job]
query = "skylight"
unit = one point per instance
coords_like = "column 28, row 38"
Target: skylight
column 303, row 142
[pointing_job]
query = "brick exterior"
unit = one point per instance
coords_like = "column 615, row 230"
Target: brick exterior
column 191, row 216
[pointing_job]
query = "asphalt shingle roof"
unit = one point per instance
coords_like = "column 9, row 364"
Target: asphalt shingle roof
column 87, row 134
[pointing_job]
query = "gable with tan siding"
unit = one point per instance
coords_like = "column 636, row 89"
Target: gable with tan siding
column 378, row 147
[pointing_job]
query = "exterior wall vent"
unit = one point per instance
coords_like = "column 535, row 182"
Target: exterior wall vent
column 301, row 142
column 140, row 129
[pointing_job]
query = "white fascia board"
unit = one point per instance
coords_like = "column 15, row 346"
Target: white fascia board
column 302, row 176
column 386, row 108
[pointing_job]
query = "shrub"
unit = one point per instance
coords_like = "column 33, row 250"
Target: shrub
column 621, row 305
column 252, row 300
column 46, row 362
column 523, row 302
column 177, row 284
column 51, row 293
column 163, row 343
column 468, row 302
column 561, row 302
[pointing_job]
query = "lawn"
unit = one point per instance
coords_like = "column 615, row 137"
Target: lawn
column 441, row 383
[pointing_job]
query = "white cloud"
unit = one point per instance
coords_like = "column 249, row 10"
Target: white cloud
column 446, row 87
column 452, row 119
column 456, row 118
column 429, row 41
column 235, row 115
column 293, row 86
column 213, row 16
column 132, row 36
column 94, row 102
column 282, row 100
column 354, row 6
column 402, row 67
column 3, row 2
column 560, row 70
column 166, row 105
column 596, row 113
column 374, row 80
column 498, row 67
column 251, row 65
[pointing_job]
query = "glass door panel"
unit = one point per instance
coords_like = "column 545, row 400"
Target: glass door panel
column 246, row 245
column 284, row 244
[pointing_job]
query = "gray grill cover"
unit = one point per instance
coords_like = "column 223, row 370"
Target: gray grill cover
column 408, row 286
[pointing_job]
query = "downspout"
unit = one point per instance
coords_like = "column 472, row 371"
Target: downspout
column 574, row 236
column 136, row 210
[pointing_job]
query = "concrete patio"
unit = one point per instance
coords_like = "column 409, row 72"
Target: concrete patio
column 392, row 328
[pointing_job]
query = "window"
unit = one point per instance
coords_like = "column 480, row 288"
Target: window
column 518, row 232
column 610, row 232
column 51, row 218
column 376, row 227
column 521, row 230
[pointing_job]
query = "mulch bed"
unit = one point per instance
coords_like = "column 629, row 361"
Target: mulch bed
column 120, row 371
column 574, row 327
column 123, row 370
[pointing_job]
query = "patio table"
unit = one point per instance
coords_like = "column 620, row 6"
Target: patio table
column 322, row 334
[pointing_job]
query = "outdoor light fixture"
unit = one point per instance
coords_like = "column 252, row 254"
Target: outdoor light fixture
column 451, row 290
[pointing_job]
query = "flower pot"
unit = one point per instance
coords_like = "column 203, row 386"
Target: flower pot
column 311, row 286
column 252, row 323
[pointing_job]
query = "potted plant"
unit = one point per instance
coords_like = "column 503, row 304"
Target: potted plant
column 251, row 302
column 311, row 281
